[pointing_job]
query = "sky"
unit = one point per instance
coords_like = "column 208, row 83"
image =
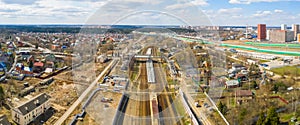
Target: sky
column 154, row 12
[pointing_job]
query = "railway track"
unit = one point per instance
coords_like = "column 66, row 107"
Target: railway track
column 144, row 100
column 139, row 108
column 168, row 113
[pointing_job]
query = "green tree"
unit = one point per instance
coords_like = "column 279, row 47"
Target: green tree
column 30, row 64
column 2, row 96
column 275, row 88
column 242, row 115
column 261, row 119
column 272, row 117
column 254, row 85
column 222, row 108
column 36, row 46
column 297, row 113
column 278, row 86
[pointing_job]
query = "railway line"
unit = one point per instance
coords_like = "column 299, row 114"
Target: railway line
column 168, row 114
column 138, row 109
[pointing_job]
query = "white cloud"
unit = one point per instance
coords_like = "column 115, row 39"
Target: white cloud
column 230, row 10
column 262, row 13
column 251, row 1
column 187, row 4
column 278, row 11
column 45, row 11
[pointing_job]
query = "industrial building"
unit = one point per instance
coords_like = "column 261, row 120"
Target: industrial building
column 261, row 32
column 281, row 36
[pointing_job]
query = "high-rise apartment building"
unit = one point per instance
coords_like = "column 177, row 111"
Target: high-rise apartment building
column 281, row 36
column 295, row 28
column 268, row 35
column 261, row 32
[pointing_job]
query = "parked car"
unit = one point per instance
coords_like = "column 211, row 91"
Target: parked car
column 264, row 65
column 244, row 72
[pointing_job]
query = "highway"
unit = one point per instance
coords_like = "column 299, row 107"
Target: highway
column 62, row 119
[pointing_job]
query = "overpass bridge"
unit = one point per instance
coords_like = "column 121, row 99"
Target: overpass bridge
column 58, row 53
column 145, row 58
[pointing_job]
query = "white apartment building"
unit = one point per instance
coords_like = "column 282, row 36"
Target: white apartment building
column 30, row 110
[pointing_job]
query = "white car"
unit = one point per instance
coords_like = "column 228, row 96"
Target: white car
column 244, row 72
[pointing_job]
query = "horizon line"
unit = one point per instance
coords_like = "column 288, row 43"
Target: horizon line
column 135, row 25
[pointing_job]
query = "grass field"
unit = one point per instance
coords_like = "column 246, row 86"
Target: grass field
column 287, row 70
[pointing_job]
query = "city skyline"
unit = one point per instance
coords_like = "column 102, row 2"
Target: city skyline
column 223, row 12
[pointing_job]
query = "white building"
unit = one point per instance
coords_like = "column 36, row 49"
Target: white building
column 30, row 110
column 283, row 27
column 268, row 35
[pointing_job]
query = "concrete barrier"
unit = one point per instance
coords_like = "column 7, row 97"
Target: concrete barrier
column 212, row 102
column 195, row 120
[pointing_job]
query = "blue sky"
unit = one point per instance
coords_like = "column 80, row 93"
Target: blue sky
column 174, row 12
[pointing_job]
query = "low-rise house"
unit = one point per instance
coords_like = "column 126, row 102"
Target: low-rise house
column 4, row 57
column 17, row 75
column 26, row 91
column 49, row 70
column 38, row 67
column 238, row 67
column 50, row 58
column 4, row 120
column 243, row 96
column 110, row 53
column 197, row 47
column 11, row 46
column 49, row 64
column 3, row 67
column 30, row 59
column 241, row 77
column 232, row 84
column 30, row 110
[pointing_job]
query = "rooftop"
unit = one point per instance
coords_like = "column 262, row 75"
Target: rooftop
column 32, row 104
column 39, row 64
column 243, row 93
column 3, row 120
column 232, row 82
